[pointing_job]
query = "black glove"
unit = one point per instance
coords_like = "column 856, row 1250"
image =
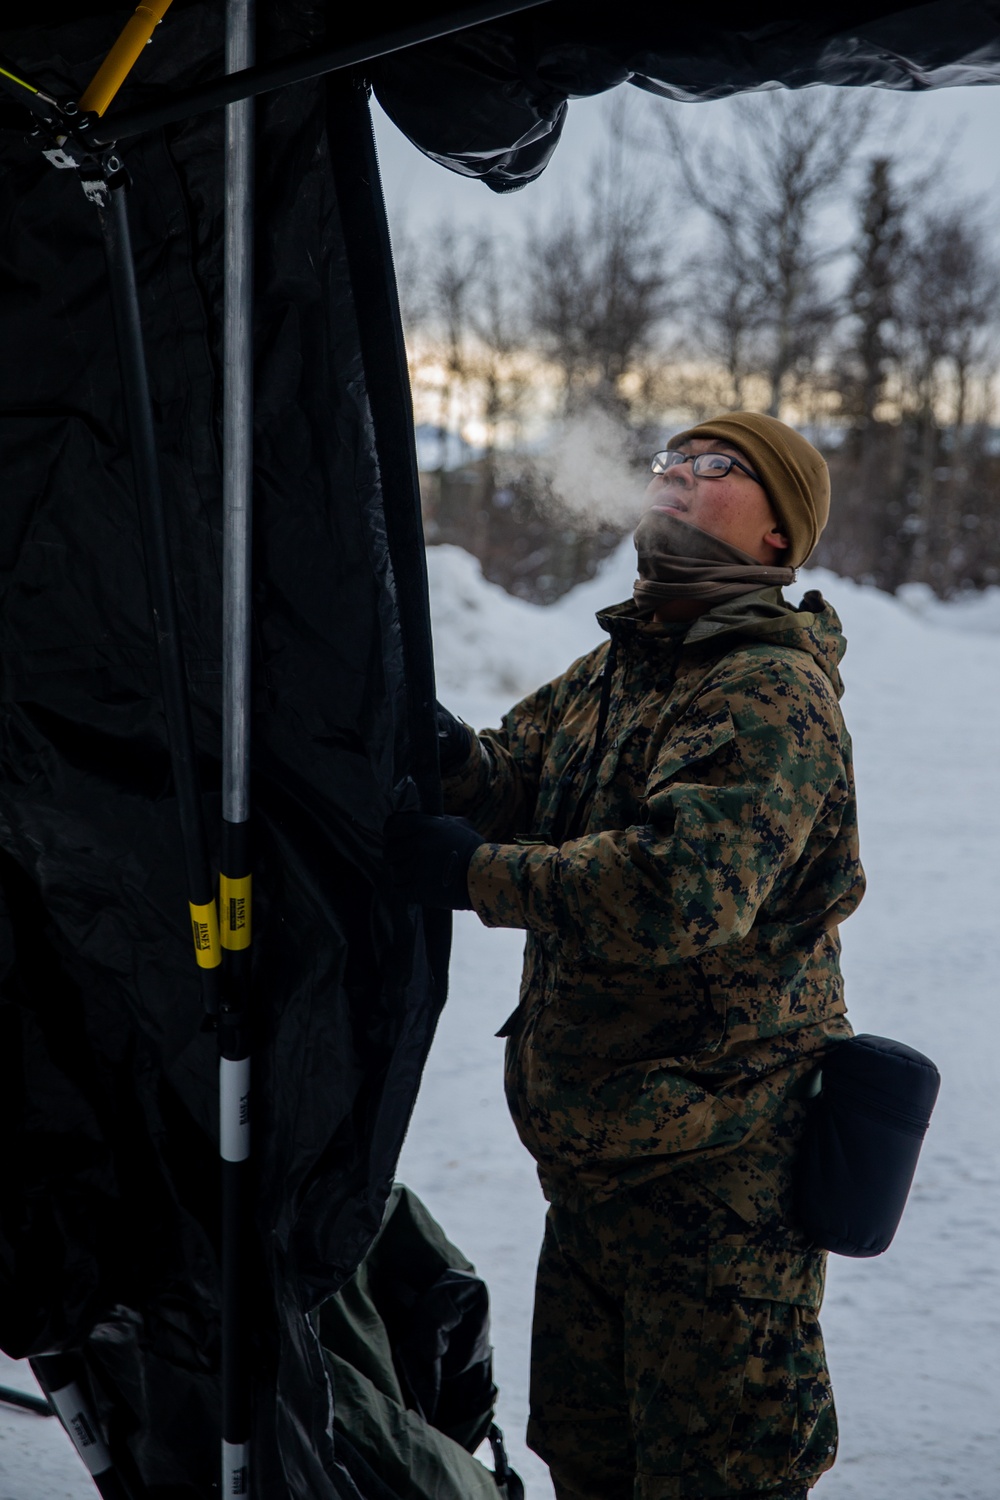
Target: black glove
column 453, row 740
column 428, row 858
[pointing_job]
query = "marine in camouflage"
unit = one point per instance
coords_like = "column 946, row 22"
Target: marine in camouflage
column 726, row 1391
column 681, row 891
column 682, row 961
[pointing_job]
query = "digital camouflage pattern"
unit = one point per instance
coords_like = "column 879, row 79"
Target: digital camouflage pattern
column 714, row 1328
column 682, row 960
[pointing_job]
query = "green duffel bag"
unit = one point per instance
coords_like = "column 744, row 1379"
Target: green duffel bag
column 408, row 1352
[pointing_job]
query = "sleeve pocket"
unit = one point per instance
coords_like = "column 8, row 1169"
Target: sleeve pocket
column 686, row 745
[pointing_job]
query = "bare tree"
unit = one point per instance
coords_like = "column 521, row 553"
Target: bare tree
column 864, row 538
column 949, row 313
column 873, row 294
column 450, row 279
column 599, row 286
column 499, row 326
column 923, row 303
column 466, row 329
column 758, row 291
column 950, row 296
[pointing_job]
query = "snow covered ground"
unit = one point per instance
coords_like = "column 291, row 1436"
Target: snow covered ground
column 913, row 1338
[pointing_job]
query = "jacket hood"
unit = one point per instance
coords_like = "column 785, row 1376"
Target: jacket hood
column 763, row 617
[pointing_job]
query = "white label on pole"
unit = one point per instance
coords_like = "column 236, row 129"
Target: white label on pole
column 234, row 1109
column 81, row 1424
column 235, row 1469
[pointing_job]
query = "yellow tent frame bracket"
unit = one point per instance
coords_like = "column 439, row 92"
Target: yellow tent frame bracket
column 137, row 31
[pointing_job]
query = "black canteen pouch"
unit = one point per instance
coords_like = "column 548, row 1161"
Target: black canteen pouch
column 867, row 1120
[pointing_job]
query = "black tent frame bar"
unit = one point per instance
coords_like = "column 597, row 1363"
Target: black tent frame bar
column 249, row 82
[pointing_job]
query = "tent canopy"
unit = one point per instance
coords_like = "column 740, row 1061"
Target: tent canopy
column 490, row 102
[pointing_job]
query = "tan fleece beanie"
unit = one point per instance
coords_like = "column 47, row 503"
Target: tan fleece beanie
column 793, row 473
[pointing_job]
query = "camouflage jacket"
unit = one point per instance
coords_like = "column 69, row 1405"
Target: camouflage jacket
column 681, row 896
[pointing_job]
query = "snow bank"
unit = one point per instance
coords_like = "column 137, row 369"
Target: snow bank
column 487, row 641
column 979, row 612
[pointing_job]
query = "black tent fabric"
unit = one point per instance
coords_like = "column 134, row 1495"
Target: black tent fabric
column 109, row 1206
column 490, row 102
column 108, row 1196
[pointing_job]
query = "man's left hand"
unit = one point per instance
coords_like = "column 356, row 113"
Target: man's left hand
column 428, row 858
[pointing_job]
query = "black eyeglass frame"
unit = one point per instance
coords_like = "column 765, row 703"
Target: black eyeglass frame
column 692, row 459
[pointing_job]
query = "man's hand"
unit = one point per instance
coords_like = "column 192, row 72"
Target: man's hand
column 428, row 858
column 453, row 740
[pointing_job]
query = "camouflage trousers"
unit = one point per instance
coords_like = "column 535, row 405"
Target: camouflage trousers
column 676, row 1352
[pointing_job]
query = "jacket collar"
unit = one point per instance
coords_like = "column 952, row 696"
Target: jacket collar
column 763, row 617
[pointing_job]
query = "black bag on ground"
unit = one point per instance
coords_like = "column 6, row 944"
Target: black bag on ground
column 861, row 1143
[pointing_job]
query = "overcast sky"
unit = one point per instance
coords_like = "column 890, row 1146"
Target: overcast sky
column 419, row 191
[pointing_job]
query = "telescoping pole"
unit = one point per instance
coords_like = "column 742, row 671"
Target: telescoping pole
column 110, row 199
column 235, row 878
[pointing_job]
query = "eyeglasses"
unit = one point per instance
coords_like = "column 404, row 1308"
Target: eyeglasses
column 705, row 465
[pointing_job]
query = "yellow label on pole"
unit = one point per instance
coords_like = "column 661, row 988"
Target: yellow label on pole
column 205, row 931
column 234, row 911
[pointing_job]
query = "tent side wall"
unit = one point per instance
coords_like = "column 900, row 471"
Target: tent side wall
column 109, row 1219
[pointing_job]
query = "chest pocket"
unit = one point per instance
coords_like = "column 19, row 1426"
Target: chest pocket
column 686, row 745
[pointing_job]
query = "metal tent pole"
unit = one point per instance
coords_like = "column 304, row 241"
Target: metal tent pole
column 234, row 879
column 9, row 1396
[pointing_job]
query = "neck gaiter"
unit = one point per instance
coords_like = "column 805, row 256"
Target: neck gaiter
column 678, row 561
